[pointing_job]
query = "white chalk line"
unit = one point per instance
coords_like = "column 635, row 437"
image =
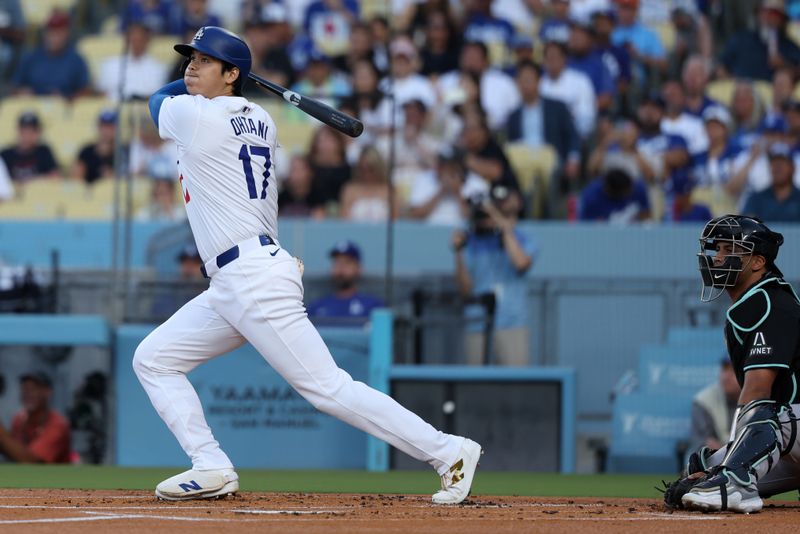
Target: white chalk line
column 93, row 497
column 292, row 512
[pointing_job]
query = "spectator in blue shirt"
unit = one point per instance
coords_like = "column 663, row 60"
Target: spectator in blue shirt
column 481, row 25
column 585, row 58
column 55, row 67
column 493, row 258
column 158, row 15
column 327, row 23
column 781, row 201
column 193, row 16
column 346, row 306
column 616, row 198
column 683, row 209
column 642, row 43
column 716, row 166
column 616, row 58
column 556, row 26
column 756, row 54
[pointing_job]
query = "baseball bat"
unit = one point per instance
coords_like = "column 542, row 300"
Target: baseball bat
column 322, row 112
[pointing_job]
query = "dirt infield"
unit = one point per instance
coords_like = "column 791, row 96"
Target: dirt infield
column 89, row 512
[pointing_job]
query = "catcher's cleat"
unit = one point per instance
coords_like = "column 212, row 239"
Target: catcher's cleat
column 193, row 484
column 720, row 493
column 457, row 481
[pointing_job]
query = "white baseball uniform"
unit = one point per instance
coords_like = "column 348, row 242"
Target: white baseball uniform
column 225, row 148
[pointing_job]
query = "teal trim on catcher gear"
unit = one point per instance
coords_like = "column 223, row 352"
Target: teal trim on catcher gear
column 754, row 291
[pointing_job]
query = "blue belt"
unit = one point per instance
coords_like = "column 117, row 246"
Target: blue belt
column 232, row 253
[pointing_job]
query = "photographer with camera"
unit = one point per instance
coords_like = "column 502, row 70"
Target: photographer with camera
column 492, row 257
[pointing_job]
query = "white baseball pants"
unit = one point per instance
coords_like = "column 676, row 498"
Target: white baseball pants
column 259, row 298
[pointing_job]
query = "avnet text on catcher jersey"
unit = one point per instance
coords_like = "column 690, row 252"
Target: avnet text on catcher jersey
column 226, row 147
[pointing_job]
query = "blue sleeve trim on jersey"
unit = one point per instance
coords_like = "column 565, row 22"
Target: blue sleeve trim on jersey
column 171, row 89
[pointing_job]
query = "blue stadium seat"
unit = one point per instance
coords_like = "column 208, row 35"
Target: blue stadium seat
column 646, row 431
column 680, row 370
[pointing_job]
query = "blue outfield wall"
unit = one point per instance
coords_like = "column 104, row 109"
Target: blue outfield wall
column 566, row 250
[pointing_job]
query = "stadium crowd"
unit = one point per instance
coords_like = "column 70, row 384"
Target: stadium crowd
column 600, row 110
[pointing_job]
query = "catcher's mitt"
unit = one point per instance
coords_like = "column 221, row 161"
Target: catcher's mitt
column 674, row 491
column 694, row 473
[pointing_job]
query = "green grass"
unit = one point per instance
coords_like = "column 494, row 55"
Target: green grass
column 407, row 482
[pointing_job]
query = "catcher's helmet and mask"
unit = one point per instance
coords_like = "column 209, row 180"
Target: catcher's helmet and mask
column 746, row 236
column 221, row 44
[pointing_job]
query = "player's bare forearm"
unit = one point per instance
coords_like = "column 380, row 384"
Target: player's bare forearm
column 757, row 385
column 462, row 276
column 519, row 258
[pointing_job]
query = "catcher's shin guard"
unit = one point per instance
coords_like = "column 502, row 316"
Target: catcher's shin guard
column 756, row 440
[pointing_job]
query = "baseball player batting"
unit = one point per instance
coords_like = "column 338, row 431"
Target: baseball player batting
column 225, row 150
column 762, row 457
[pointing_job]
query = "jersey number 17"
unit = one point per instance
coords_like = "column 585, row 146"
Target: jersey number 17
column 245, row 155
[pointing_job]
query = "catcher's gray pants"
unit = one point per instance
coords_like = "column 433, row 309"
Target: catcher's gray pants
column 785, row 473
column 259, row 298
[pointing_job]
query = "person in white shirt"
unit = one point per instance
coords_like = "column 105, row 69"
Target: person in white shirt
column 6, row 188
column 499, row 95
column 677, row 121
column 569, row 86
column 143, row 74
column 406, row 83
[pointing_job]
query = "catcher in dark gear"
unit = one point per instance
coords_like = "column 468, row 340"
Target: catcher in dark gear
column 762, row 332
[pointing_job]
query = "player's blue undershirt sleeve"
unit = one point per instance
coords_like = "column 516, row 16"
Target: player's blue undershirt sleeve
column 171, row 89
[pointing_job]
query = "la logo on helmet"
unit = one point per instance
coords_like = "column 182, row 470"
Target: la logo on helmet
column 199, row 34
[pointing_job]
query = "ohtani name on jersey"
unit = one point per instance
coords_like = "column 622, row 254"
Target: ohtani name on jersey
column 244, row 125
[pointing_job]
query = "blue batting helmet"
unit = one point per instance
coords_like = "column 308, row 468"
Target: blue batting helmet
column 221, row 44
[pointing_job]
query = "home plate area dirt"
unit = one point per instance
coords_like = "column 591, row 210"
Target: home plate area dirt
column 88, row 512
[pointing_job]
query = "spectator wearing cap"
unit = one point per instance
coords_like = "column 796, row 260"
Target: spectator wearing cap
column 54, row 67
column 366, row 198
column 38, row 433
column 677, row 121
column 539, row 121
column 694, row 78
column 521, row 51
column 321, row 80
column 29, row 157
column 327, row 23
column 581, row 10
column 493, row 258
column 143, row 73
column 615, row 197
column 616, row 58
column 497, row 91
column 753, row 172
column 96, row 160
column 716, row 167
column 781, row 201
column 645, row 48
column 165, row 202
column 756, row 54
column 158, row 15
column 442, row 45
column 482, row 25
column 748, row 111
column 436, row 195
column 406, row 83
column 346, row 305
column 556, row 24
column 193, row 15
column 573, row 88
column 584, row 58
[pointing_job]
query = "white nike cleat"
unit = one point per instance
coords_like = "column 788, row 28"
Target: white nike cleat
column 457, row 481
column 199, row 485
column 720, row 493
